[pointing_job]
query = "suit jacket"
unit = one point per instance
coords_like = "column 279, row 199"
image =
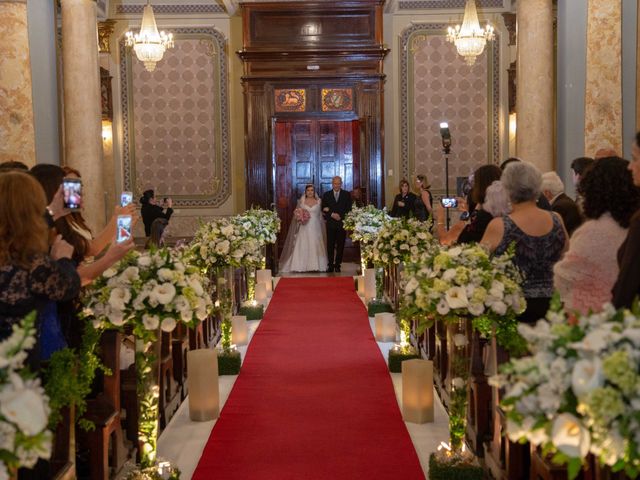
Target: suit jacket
column 569, row 211
column 408, row 209
column 341, row 207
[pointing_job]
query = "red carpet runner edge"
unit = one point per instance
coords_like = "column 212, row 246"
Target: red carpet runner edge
column 314, row 399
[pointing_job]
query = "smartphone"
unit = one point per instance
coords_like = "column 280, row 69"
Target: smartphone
column 449, row 202
column 72, row 188
column 123, row 228
column 126, row 198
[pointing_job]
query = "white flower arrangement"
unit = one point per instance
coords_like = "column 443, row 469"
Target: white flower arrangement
column 263, row 225
column 365, row 223
column 149, row 290
column 225, row 242
column 24, row 406
column 579, row 390
column 464, row 281
column 402, row 240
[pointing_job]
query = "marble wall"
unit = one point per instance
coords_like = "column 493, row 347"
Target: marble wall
column 17, row 137
column 603, row 94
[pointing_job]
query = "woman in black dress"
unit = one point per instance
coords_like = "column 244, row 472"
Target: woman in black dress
column 151, row 210
column 403, row 203
column 423, row 205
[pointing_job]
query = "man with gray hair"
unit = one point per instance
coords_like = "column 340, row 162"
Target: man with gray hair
column 553, row 190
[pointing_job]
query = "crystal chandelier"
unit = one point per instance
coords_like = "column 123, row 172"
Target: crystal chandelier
column 149, row 44
column 469, row 38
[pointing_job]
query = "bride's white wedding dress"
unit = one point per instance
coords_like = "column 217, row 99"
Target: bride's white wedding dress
column 309, row 252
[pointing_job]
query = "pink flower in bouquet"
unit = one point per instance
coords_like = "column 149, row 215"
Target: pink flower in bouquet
column 301, row 215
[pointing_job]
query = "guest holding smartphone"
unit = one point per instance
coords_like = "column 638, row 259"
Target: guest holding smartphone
column 151, row 210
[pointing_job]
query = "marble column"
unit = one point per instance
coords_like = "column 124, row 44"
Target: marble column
column 82, row 106
column 534, row 103
column 17, row 136
column 603, row 95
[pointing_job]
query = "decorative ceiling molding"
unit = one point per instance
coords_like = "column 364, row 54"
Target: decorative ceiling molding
column 180, row 9
column 449, row 4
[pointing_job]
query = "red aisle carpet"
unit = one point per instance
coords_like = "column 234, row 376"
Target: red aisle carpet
column 314, row 399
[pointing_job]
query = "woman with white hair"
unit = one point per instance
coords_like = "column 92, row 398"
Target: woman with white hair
column 539, row 237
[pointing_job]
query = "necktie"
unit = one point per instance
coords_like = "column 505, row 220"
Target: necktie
column 336, row 195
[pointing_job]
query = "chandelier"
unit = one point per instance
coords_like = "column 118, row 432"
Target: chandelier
column 469, row 38
column 149, row 44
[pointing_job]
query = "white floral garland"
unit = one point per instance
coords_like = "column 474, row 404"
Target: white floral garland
column 24, row 406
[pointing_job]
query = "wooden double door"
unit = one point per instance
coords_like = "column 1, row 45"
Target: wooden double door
column 313, row 151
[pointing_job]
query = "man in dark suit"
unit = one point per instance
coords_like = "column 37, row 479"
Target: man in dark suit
column 336, row 203
column 553, row 190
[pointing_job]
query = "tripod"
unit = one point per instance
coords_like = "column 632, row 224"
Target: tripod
column 446, row 151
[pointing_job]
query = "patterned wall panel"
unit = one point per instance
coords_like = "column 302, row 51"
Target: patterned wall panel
column 437, row 86
column 176, row 121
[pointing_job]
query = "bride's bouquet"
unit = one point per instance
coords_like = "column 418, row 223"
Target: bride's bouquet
column 301, row 215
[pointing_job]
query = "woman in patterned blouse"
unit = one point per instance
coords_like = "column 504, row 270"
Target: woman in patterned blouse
column 30, row 276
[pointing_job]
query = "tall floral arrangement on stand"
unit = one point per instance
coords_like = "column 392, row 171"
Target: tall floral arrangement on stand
column 364, row 224
column 149, row 292
column 454, row 285
column 24, row 406
column 578, row 392
column 263, row 225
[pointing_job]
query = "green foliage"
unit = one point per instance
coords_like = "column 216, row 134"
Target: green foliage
column 396, row 357
column 378, row 306
column 252, row 312
column 507, row 334
column 151, row 473
column 229, row 363
column 148, row 395
column 453, row 468
column 69, row 377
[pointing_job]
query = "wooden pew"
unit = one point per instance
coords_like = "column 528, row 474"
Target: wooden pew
column 106, row 448
column 169, row 400
column 480, row 415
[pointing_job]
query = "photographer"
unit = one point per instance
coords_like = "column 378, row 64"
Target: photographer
column 151, row 210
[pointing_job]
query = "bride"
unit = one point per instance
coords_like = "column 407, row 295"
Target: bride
column 305, row 247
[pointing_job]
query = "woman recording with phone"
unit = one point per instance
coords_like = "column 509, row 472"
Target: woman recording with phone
column 151, row 210
column 472, row 225
column 31, row 273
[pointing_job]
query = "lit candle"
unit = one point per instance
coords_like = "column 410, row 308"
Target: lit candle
column 360, row 279
column 204, row 396
column 385, row 327
column 263, row 276
column 239, row 330
column 417, row 391
column 261, row 292
column 370, row 284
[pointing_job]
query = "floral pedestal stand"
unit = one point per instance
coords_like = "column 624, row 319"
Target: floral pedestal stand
column 148, row 390
column 453, row 460
column 229, row 359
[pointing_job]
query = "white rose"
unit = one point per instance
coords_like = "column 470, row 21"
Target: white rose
column 24, row 406
column 412, row 284
column 130, row 274
column 166, row 274
column 454, row 252
column 456, row 297
column 181, row 303
column 442, row 307
column 186, row 315
column 476, row 309
column 7, row 436
column 499, row 307
column 164, row 293
column 116, row 317
column 449, row 274
column 587, row 376
column 201, row 310
column 109, row 272
column 144, row 260
column 168, row 324
column 119, row 297
column 150, row 322
column 227, row 230
column 223, row 247
column 613, row 448
column 569, row 436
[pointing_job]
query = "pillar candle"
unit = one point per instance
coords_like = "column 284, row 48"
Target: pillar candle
column 360, row 285
column 261, row 292
column 239, row 330
column 370, row 283
column 263, row 276
column 385, row 327
column 417, row 391
column 204, row 396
